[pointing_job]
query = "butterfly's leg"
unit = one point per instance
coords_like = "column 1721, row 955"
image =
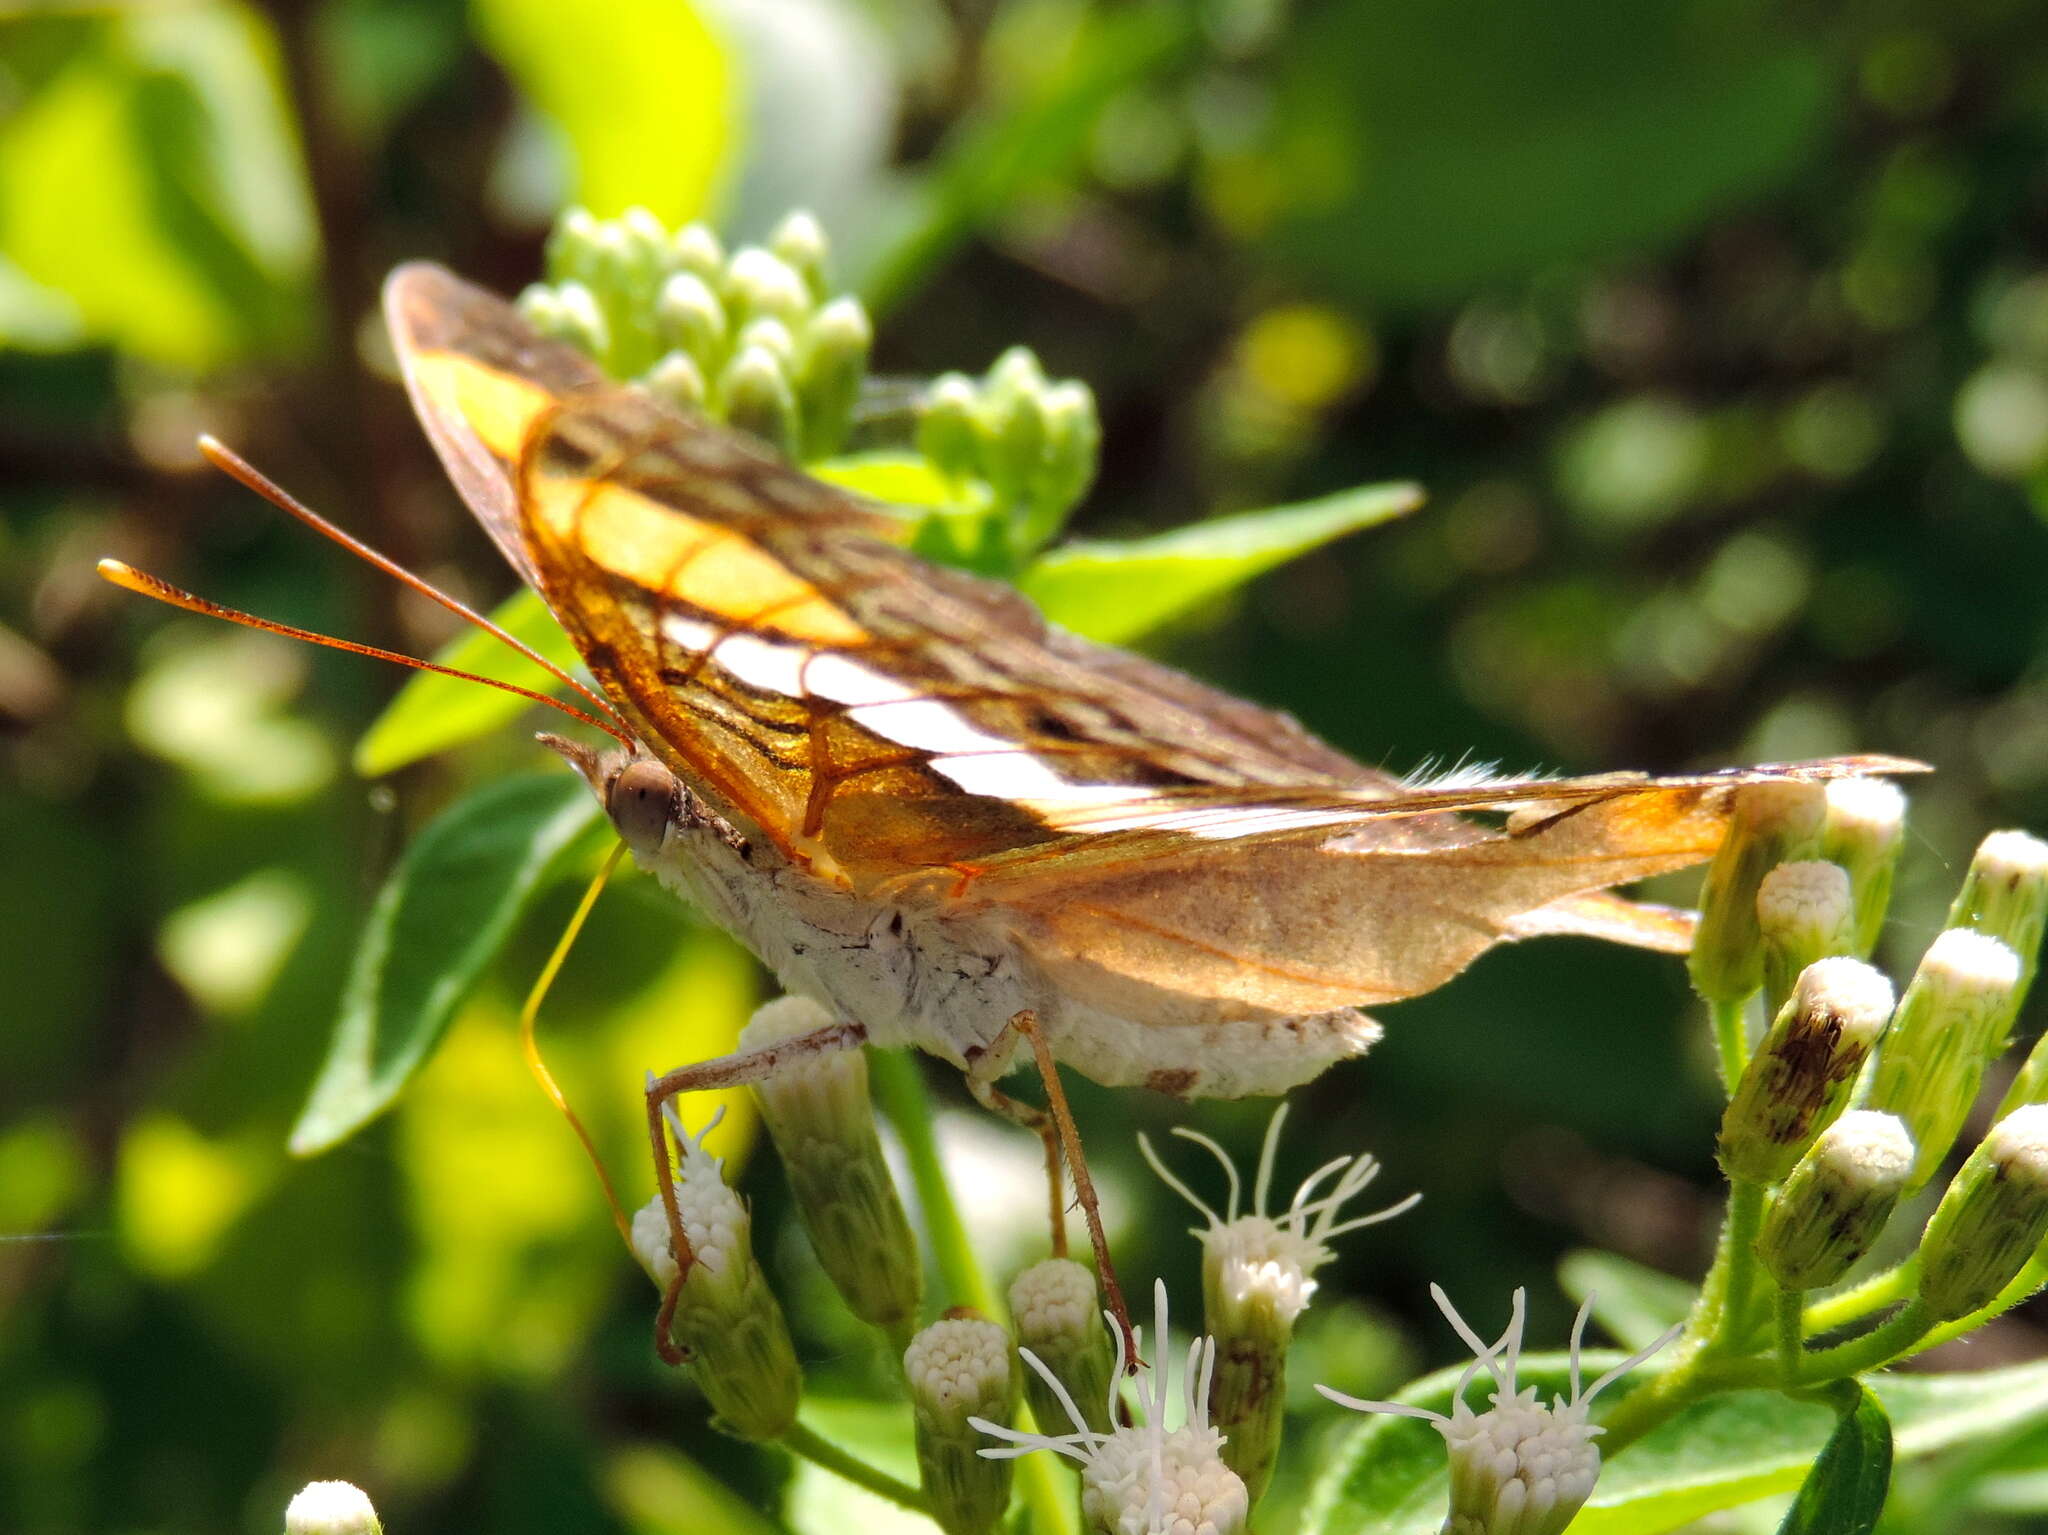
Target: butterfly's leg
column 1025, row 1023
column 734, row 1070
column 1042, row 1125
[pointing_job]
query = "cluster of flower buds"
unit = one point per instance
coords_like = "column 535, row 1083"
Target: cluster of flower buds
column 1836, row 1138
column 754, row 337
column 1032, row 442
column 727, row 1320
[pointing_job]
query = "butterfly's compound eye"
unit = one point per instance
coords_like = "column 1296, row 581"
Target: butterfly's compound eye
column 644, row 801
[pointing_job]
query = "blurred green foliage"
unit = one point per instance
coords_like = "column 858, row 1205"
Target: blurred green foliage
column 1717, row 337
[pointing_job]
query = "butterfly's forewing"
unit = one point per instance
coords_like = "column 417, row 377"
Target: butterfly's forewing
column 869, row 713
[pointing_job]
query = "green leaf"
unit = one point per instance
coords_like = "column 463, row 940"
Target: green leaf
column 440, row 919
column 1421, row 149
column 1844, row 1493
column 1116, row 591
column 892, row 476
column 1388, row 1478
column 1635, row 1304
column 1033, row 137
column 167, row 138
column 432, row 713
column 642, row 90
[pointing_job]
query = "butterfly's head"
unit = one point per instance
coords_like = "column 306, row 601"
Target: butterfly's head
column 646, row 802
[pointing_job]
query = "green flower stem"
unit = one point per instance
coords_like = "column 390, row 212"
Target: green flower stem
column 900, row 1089
column 1662, row 1398
column 820, row 1451
column 1880, row 1346
column 2030, row 1279
column 1787, row 1313
column 1860, row 1300
column 1738, row 1267
column 1731, row 1039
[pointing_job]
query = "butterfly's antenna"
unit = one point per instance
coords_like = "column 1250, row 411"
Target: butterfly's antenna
column 124, row 575
column 238, row 468
column 530, row 1014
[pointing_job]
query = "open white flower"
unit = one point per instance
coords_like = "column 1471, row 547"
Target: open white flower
column 1255, row 1260
column 1146, row 1479
column 1521, row 1467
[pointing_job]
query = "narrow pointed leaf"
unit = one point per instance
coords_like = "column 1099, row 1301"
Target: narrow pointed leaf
column 439, row 921
column 1844, row 1493
column 433, row 713
column 1117, row 591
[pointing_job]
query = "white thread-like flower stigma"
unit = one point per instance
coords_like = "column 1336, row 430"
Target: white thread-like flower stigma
column 1147, row 1479
column 1521, row 1467
column 1254, row 1257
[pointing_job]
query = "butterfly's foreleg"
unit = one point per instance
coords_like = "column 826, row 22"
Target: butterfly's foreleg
column 1025, row 1025
column 735, row 1070
column 1046, row 1128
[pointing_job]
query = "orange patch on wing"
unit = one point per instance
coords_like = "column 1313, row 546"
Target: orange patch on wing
column 499, row 407
column 715, row 569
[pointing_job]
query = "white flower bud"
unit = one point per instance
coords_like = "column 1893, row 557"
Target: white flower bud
column 571, row 247
column 331, row 1508
column 1067, row 462
column 1865, row 825
column 678, row 380
column 696, row 248
column 1832, row 1208
column 960, row 1378
column 800, row 241
column 756, row 397
column 569, row 313
column 1951, row 1022
column 822, row 1121
column 1770, row 824
column 771, row 335
column 1521, row 1467
column 1804, row 1071
column 1991, row 1220
column 946, row 430
column 1804, row 912
column 689, row 318
column 759, row 283
column 833, row 363
column 2005, row 895
column 726, row 1321
column 1057, row 1314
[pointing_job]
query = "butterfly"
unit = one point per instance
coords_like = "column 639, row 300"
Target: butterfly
column 928, row 809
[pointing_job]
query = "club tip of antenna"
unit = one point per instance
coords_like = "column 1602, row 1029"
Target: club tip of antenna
column 120, row 572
